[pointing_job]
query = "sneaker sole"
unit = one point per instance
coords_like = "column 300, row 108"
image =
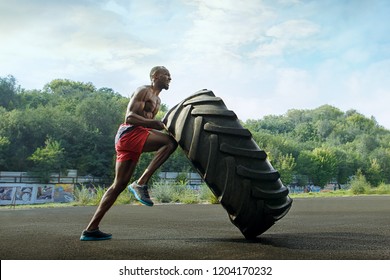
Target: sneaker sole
column 138, row 198
column 86, row 238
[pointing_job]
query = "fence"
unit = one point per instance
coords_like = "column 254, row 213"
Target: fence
column 193, row 179
column 31, row 178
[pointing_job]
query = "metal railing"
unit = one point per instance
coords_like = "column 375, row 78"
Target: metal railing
column 54, row 179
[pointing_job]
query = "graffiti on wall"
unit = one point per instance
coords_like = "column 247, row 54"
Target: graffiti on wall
column 63, row 193
column 17, row 193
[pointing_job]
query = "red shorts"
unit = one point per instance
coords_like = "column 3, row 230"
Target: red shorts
column 130, row 145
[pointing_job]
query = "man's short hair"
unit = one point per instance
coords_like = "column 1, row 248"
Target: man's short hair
column 156, row 69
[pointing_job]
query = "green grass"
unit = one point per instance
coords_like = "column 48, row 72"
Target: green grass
column 178, row 192
column 322, row 194
column 39, row 205
column 383, row 189
column 358, row 186
column 380, row 190
column 84, row 197
column 161, row 192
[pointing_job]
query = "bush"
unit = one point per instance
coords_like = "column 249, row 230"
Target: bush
column 165, row 191
column 207, row 195
column 189, row 196
column 125, row 198
column 97, row 196
column 359, row 184
column 93, row 196
column 383, row 189
column 162, row 191
column 181, row 178
column 88, row 196
column 82, row 195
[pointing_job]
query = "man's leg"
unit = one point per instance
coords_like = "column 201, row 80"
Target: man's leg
column 123, row 172
column 164, row 145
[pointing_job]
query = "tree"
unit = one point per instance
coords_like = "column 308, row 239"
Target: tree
column 325, row 164
column 279, row 124
column 4, row 147
column 374, row 173
column 325, row 112
column 99, row 114
column 306, row 132
column 304, row 164
column 65, row 87
column 324, row 143
column 345, row 165
column 8, row 92
column 34, row 99
column 285, row 164
column 382, row 157
column 320, row 165
column 49, row 157
column 324, row 128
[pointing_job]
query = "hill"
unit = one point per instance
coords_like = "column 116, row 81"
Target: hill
column 71, row 125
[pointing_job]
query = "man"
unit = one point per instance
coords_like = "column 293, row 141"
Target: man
column 138, row 134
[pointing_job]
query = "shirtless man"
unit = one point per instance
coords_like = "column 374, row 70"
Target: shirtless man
column 140, row 133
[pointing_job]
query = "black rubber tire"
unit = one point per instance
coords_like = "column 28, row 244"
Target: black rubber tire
column 230, row 162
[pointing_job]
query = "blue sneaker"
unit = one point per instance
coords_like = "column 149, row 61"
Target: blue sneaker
column 94, row 235
column 141, row 193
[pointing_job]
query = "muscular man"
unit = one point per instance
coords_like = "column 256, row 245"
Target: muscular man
column 140, row 133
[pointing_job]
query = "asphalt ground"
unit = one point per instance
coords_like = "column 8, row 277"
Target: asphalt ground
column 340, row 228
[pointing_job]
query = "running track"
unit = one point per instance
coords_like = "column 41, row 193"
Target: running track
column 351, row 228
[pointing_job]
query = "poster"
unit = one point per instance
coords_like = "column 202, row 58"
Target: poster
column 63, row 193
column 20, row 193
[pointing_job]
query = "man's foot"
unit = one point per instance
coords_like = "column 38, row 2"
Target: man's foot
column 141, row 193
column 94, row 235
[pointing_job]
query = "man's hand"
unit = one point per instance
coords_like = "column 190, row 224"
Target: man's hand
column 158, row 125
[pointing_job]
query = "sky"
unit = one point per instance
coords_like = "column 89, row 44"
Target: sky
column 262, row 57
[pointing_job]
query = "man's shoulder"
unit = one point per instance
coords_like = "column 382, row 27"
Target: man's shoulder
column 142, row 90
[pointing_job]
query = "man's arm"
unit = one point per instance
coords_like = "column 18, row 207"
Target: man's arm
column 135, row 114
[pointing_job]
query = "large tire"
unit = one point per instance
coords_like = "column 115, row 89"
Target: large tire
column 230, row 162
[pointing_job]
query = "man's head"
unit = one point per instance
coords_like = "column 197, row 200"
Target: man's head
column 160, row 76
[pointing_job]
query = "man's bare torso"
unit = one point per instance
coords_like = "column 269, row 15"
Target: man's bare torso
column 144, row 103
column 152, row 105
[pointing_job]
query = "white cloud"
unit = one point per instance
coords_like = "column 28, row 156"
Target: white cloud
column 369, row 91
column 114, row 7
column 219, row 31
column 293, row 29
column 261, row 57
column 78, row 42
column 287, row 37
